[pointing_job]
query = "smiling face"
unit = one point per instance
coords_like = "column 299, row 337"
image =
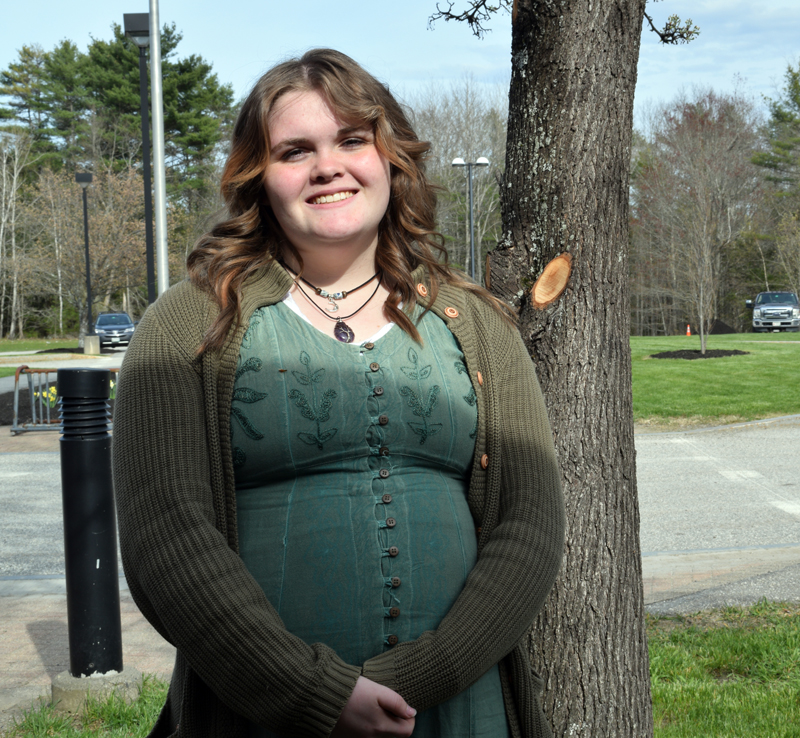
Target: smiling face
column 326, row 182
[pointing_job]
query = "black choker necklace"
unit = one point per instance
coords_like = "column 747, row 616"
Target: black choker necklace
column 331, row 296
column 341, row 331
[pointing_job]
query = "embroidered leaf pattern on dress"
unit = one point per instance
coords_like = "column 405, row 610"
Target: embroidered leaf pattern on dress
column 245, row 394
column 470, row 398
column 250, row 365
column 318, row 412
column 249, row 396
column 247, row 339
column 422, row 408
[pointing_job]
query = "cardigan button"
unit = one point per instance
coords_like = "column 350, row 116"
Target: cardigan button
column 480, row 379
column 374, row 366
column 451, row 312
column 369, row 346
column 394, row 612
column 392, row 640
column 383, row 419
column 422, row 289
column 387, row 498
column 485, row 461
column 383, row 450
column 378, row 391
column 393, row 551
column 390, row 522
column 395, row 581
column 384, row 474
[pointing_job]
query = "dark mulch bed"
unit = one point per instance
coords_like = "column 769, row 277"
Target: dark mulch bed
column 709, row 354
column 7, row 408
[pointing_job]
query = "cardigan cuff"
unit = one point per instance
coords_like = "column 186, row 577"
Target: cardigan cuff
column 326, row 706
column 381, row 669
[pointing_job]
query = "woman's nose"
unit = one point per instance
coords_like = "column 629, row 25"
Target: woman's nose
column 327, row 165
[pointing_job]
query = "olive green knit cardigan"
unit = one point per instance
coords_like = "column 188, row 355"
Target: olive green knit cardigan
column 174, row 482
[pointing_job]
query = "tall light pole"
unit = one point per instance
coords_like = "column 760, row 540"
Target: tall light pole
column 137, row 28
column 84, row 179
column 160, row 189
column 481, row 162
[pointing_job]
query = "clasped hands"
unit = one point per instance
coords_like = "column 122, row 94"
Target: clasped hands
column 374, row 711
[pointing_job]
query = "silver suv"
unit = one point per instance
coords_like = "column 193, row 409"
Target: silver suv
column 775, row 311
column 114, row 328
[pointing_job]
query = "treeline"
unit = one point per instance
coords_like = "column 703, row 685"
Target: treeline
column 65, row 110
column 715, row 190
column 715, row 200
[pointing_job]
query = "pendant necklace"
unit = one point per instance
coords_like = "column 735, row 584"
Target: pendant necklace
column 341, row 331
column 332, row 307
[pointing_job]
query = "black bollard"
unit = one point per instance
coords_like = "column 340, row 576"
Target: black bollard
column 90, row 528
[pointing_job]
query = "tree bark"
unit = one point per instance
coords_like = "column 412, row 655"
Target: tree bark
column 566, row 189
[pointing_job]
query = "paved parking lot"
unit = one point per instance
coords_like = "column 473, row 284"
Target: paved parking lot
column 720, row 515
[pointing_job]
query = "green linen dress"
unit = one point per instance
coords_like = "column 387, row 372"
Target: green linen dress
column 352, row 465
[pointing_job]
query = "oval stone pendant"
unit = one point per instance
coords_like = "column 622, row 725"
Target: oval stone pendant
column 343, row 332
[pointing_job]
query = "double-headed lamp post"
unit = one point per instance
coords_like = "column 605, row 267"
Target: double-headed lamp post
column 481, row 162
column 84, row 179
column 137, row 28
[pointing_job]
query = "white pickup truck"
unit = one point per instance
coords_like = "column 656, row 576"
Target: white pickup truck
column 775, row 311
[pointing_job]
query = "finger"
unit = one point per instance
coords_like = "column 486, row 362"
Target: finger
column 393, row 703
column 397, row 727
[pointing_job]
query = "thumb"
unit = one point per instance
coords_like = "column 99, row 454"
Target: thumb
column 392, row 702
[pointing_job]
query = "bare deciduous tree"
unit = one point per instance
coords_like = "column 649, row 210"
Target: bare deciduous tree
column 469, row 121
column 695, row 193
column 14, row 153
column 53, row 228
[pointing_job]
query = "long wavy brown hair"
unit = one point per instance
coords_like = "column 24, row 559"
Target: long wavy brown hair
column 250, row 237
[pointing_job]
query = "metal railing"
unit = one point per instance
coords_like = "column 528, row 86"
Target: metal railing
column 42, row 398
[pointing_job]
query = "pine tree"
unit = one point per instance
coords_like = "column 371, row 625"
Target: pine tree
column 783, row 132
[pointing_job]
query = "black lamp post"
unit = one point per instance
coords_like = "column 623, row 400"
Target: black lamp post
column 481, row 162
column 84, row 179
column 137, row 28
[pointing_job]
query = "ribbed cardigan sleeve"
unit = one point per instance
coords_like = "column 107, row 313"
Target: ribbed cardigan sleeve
column 523, row 522
column 182, row 572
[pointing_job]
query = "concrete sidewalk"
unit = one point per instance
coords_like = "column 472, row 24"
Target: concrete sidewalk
column 33, row 643
column 33, row 619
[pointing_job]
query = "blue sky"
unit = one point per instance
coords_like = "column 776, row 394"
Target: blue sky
column 242, row 38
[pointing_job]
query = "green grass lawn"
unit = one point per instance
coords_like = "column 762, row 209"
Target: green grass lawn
column 763, row 384
column 36, row 344
column 732, row 673
column 669, row 393
column 111, row 718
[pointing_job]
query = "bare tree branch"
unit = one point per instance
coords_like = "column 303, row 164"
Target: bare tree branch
column 478, row 12
column 674, row 31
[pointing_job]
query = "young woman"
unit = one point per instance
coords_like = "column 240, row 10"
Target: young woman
column 337, row 490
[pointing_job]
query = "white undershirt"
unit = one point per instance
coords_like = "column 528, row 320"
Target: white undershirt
column 292, row 305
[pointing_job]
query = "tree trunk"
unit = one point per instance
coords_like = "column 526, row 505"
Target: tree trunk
column 15, row 305
column 566, row 189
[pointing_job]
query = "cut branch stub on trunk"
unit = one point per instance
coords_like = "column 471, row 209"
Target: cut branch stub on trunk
column 552, row 281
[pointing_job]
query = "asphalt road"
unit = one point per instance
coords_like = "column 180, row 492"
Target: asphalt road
column 720, row 516
column 733, row 487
